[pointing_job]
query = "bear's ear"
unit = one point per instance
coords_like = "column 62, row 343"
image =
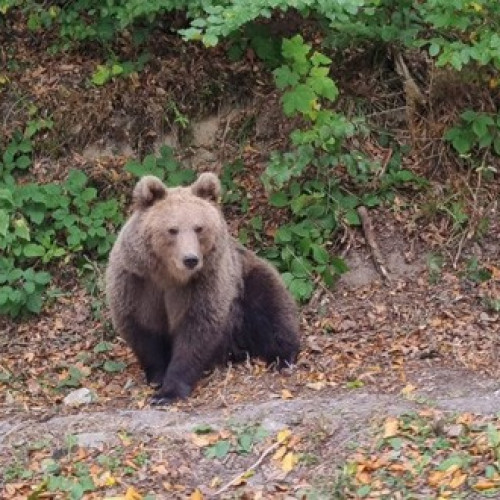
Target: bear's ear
column 148, row 190
column 207, row 186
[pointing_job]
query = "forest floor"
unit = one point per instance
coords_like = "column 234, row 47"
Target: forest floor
column 396, row 392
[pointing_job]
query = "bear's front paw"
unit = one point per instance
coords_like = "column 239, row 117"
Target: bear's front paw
column 170, row 393
column 159, row 400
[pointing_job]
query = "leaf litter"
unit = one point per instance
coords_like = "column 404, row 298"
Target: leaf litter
column 371, row 337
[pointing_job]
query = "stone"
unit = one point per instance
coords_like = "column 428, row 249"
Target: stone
column 79, row 397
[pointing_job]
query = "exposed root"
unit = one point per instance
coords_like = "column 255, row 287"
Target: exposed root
column 372, row 243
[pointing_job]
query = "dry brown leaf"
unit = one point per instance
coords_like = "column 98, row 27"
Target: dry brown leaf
column 316, row 386
column 286, row 394
column 485, row 484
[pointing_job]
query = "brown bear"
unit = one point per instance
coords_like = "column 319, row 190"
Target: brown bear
column 186, row 296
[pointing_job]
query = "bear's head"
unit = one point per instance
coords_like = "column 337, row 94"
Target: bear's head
column 183, row 226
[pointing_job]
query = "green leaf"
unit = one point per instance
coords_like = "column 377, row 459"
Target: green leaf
column 101, row 75
column 29, row 287
column 301, row 288
column 4, row 222
column 496, row 145
column 42, row 278
column 219, row 449
column 76, row 181
column 434, row 49
column 21, row 229
column 300, row 99
column 6, row 197
column 319, row 59
column 364, row 490
column 295, row 49
column 322, row 84
column 32, row 250
column 285, row 77
column 449, row 462
column 245, row 442
column 34, row 303
column 103, row 347
column 279, row 199
column 202, row 429
column 114, row 366
column 352, row 218
column 320, row 255
column 493, row 436
column 23, row 162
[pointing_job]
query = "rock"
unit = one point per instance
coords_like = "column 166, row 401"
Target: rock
column 79, row 397
column 94, row 439
column 454, row 431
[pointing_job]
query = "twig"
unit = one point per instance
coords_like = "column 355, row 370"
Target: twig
column 233, row 481
column 469, row 230
column 372, row 243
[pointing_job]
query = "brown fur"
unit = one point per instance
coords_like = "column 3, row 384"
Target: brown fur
column 186, row 296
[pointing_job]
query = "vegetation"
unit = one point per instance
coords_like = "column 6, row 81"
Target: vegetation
column 43, row 224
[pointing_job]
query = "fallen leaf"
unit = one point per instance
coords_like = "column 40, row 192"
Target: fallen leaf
column 280, row 453
column 391, row 427
column 284, row 435
column 485, row 485
column 202, row 440
column 286, row 394
column 457, row 481
column 132, row 494
column 289, row 461
column 316, row 386
column 196, row 495
column 408, row 389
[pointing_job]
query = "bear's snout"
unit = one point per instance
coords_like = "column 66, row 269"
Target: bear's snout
column 190, row 261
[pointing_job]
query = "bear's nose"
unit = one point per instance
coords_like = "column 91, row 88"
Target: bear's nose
column 191, row 261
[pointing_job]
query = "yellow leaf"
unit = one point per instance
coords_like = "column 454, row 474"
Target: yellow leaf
column 196, row 495
column 286, row 394
column 106, row 479
column 289, row 462
column 280, row 453
column 284, row 435
column 485, row 485
column 132, row 494
column 391, row 427
column 457, row 481
column 408, row 389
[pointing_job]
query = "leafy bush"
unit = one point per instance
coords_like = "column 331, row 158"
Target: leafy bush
column 303, row 179
column 43, row 224
column 476, row 131
column 165, row 167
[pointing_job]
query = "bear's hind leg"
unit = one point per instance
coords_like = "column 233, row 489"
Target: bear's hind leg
column 270, row 319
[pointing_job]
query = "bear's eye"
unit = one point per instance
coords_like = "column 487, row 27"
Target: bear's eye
column 173, row 231
column 198, row 229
